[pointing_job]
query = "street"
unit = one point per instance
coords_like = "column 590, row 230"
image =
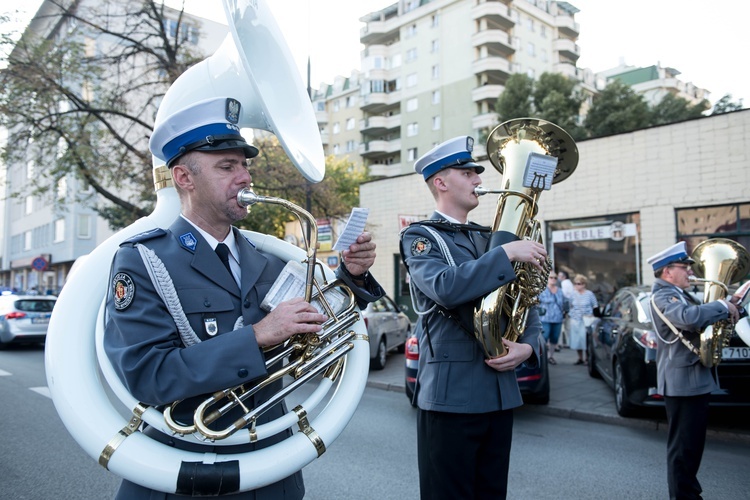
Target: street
column 375, row 456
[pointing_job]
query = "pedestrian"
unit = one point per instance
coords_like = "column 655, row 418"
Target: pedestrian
column 465, row 416
column 683, row 381
column 553, row 306
column 224, row 337
column 567, row 289
column 583, row 309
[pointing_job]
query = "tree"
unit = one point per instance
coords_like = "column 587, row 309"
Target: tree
column 81, row 100
column 725, row 105
column 673, row 109
column 617, row 109
column 274, row 175
column 516, row 101
column 558, row 101
column 553, row 98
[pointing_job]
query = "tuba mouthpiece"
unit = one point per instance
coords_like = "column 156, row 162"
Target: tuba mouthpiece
column 247, row 197
column 481, row 191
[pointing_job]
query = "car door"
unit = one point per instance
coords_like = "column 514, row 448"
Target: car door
column 608, row 332
column 391, row 324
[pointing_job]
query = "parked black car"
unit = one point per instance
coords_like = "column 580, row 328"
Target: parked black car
column 533, row 382
column 621, row 349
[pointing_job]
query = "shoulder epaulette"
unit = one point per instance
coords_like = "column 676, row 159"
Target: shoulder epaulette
column 144, row 236
column 446, row 225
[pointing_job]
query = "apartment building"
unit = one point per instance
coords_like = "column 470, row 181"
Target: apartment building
column 653, row 83
column 42, row 235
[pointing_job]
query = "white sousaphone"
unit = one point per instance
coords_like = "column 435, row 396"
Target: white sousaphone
column 94, row 406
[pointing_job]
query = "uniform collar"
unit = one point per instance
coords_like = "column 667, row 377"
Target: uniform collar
column 229, row 241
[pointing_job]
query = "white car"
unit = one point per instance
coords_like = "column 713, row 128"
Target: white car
column 388, row 328
column 24, row 318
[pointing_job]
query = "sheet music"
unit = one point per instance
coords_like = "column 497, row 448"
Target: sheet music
column 540, row 170
column 291, row 284
column 354, row 227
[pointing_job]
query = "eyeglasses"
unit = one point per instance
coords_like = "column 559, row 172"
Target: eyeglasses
column 681, row 266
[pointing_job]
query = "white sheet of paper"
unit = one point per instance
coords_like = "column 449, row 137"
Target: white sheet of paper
column 354, row 227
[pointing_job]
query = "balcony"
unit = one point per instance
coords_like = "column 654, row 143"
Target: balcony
column 374, row 149
column 382, row 170
column 495, row 40
column 493, row 13
column 484, row 121
column 566, row 69
column 567, row 48
column 378, row 102
column 379, row 125
column 324, row 137
column 487, row 93
column 499, row 66
column 567, row 26
column 379, row 33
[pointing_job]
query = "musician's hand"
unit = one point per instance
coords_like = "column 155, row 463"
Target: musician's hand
column 526, row 251
column 288, row 318
column 517, row 354
column 360, row 256
column 734, row 313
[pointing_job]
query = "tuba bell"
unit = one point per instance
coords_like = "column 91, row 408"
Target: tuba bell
column 531, row 155
column 79, row 375
column 719, row 262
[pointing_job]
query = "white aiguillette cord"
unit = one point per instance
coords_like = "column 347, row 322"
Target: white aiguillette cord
column 678, row 333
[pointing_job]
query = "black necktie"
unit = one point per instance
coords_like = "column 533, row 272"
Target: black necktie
column 223, row 252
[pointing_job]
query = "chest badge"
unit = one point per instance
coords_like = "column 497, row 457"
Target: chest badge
column 212, row 327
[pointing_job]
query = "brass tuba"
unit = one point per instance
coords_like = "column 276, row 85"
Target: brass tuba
column 531, row 155
column 719, row 262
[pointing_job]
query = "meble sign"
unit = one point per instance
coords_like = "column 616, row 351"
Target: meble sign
column 615, row 231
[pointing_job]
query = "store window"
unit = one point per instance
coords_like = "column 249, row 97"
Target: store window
column 605, row 249
column 695, row 225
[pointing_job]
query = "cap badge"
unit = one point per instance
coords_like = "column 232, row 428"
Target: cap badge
column 469, row 144
column 233, row 111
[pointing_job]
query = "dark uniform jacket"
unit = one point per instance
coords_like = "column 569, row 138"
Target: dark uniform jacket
column 452, row 376
column 679, row 371
column 146, row 351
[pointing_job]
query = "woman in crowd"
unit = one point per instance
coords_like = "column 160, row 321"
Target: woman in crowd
column 554, row 306
column 583, row 308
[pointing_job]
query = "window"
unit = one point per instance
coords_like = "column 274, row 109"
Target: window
column 411, row 54
column 350, row 146
column 27, row 240
column 436, row 122
column 30, row 170
column 410, row 31
column 412, row 154
column 348, row 102
column 29, row 205
column 531, row 73
column 412, row 104
column 396, row 61
column 435, row 21
column 350, row 122
column 84, row 226
column 412, row 129
column 435, row 46
column 411, row 80
column 336, row 105
column 336, row 128
column 336, row 149
column 543, row 30
column 320, row 105
column 62, row 188
column 531, row 49
column 530, row 24
column 543, row 55
column 436, row 71
column 59, row 230
column 695, row 225
column 436, row 97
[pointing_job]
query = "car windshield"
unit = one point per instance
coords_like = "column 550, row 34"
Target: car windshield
column 644, row 308
column 34, row 305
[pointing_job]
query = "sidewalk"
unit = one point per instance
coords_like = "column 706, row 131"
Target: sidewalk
column 573, row 394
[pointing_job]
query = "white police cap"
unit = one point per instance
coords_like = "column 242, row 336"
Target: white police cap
column 453, row 153
column 675, row 253
column 208, row 125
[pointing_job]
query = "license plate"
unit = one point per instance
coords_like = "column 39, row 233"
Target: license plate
column 735, row 353
column 39, row 321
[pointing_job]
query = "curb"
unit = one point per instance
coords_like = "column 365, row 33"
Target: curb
column 589, row 416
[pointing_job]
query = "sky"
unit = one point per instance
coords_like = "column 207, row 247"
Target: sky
column 703, row 41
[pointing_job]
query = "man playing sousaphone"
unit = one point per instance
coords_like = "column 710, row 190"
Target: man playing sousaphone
column 215, row 339
column 465, row 420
